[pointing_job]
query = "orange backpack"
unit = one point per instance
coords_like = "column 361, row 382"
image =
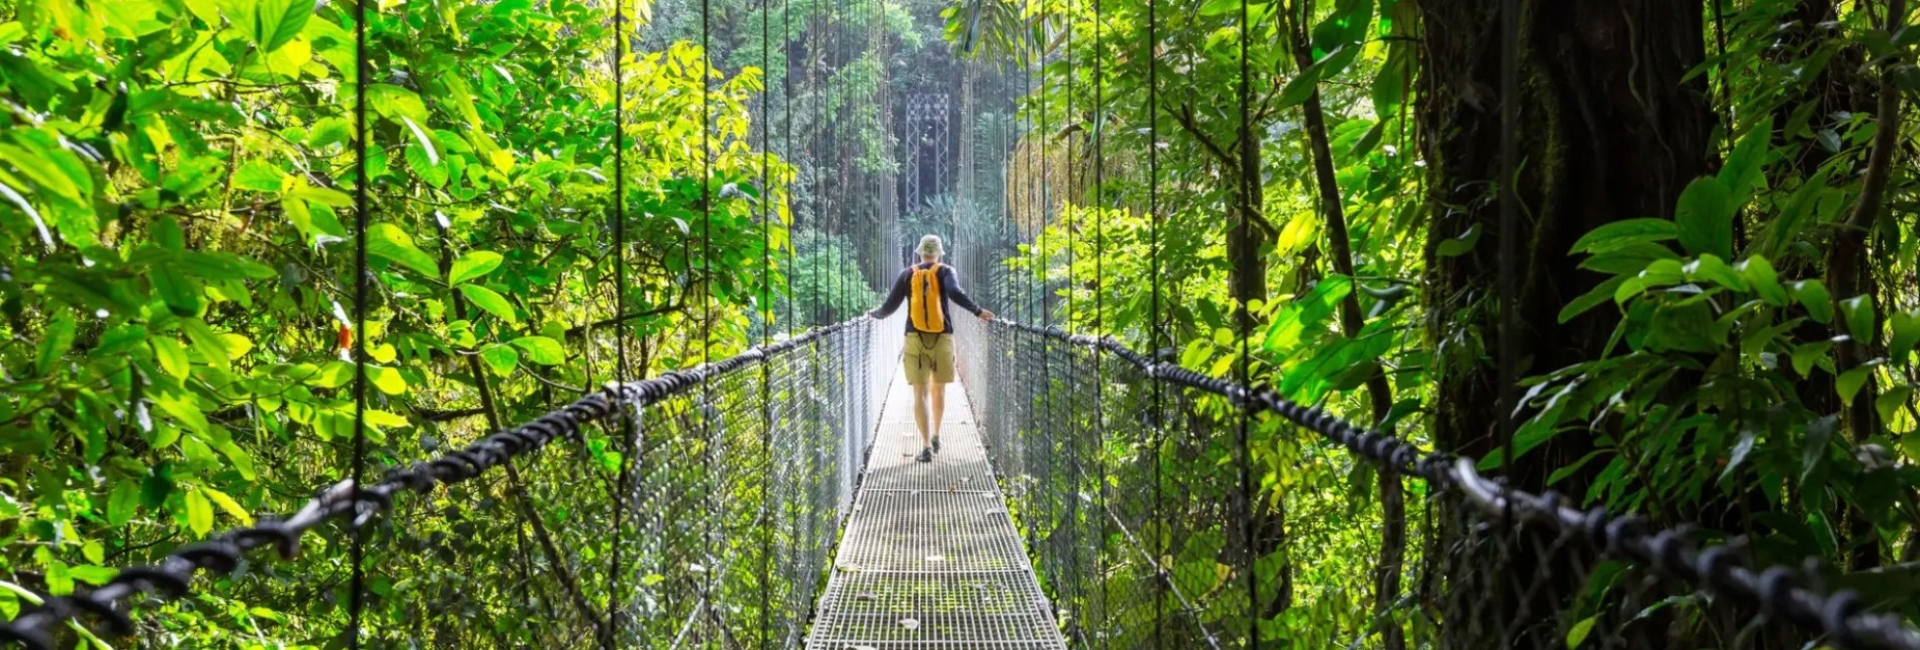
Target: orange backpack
column 925, row 303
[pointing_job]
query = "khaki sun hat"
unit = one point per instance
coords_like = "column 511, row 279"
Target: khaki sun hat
column 930, row 247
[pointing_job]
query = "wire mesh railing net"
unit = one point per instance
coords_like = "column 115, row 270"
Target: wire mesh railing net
column 699, row 509
column 1123, row 478
column 1095, row 474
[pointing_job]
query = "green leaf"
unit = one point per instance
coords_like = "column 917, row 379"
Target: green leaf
column 493, row 303
column 1741, row 173
column 1710, row 268
column 422, row 162
column 1457, row 246
column 389, row 242
column 123, row 503
column 167, row 233
column 199, row 512
column 96, row 576
column 330, row 131
column 1819, row 436
column 1599, row 294
column 1858, row 311
column 1628, row 257
column 94, row 551
column 1851, row 381
column 239, row 457
column 1578, row 633
column 420, row 135
column 1812, row 295
column 395, row 102
column 212, row 348
column 275, row 22
column 183, row 410
column 1759, row 273
column 541, row 350
column 388, row 380
column 55, row 342
column 1704, row 218
column 171, row 355
column 1807, row 355
column 473, row 265
column 324, row 196
column 1370, row 140
column 181, row 294
column 1891, row 400
column 501, row 359
column 1300, row 87
column 1906, row 334
column 1624, row 232
column 259, row 176
column 228, row 504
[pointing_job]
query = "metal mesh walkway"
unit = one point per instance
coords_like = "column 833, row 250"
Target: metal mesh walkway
column 930, row 558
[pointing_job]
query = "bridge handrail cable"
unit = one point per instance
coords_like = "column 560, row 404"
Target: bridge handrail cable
column 1715, row 569
column 172, row 576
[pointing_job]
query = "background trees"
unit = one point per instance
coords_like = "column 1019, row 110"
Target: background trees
column 1706, row 295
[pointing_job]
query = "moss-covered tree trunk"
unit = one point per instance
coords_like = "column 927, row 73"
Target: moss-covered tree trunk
column 1606, row 130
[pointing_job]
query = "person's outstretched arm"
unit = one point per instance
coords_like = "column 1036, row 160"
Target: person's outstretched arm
column 894, row 298
column 959, row 296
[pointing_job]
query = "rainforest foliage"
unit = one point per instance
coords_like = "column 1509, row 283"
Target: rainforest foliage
column 1715, row 298
column 177, row 255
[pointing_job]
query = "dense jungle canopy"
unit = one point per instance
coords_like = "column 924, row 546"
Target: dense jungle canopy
column 1699, row 302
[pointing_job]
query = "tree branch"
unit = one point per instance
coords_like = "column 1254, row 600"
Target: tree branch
column 1184, row 117
column 581, row 330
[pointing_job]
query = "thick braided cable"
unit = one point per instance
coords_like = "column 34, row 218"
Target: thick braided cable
column 1715, row 569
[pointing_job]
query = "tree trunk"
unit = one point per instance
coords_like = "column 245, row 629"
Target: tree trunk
column 1393, row 513
column 1850, row 277
column 1605, row 130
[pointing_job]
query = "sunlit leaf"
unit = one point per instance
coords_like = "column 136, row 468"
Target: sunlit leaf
column 490, row 301
column 388, row 241
column 473, row 265
column 541, row 350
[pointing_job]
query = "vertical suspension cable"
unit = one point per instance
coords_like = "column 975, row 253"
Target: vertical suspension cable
column 1248, row 148
column 1509, row 228
column 1099, row 310
column 622, row 331
column 786, row 101
column 1154, row 431
column 706, row 286
column 1072, row 378
column 764, row 528
column 816, row 61
column 357, row 551
column 1509, row 233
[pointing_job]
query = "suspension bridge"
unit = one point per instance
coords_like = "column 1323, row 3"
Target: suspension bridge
column 805, row 523
column 1088, row 495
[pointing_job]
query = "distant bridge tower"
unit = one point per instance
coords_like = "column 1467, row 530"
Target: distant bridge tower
column 927, row 156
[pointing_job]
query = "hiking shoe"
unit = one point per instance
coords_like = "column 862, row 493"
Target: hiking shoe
column 936, row 444
column 926, row 455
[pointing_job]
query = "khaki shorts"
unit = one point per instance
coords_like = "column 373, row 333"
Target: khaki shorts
column 928, row 357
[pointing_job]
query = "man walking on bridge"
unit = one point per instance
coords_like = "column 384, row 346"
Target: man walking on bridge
column 930, row 289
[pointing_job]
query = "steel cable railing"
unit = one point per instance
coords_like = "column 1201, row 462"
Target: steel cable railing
column 517, row 552
column 1171, row 567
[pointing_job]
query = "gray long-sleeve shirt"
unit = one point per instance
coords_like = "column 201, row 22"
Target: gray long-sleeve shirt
column 950, row 294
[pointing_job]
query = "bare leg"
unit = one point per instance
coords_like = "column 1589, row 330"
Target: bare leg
column 920, row 410
column 939, row 395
